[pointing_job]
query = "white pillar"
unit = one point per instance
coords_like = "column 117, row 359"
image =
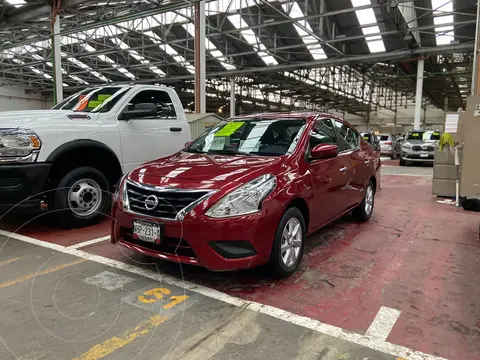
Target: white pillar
column 418, row 96
column 232, row 96
column 475, row 73
column 57, row 56
column 200, row 91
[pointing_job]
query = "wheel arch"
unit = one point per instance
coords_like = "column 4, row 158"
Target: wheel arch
column 302, row 205
column 85, row 152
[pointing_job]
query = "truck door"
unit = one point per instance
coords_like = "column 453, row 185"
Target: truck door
column 148, row 138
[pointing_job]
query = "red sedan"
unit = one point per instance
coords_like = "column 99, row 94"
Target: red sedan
column 247, row 192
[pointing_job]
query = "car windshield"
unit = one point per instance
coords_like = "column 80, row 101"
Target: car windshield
column 423, row 135
column 383, row 137
column 93, row 99
column 255, row 136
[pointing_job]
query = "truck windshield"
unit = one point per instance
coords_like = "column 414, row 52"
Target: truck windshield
column 93, row 100
column 256, row 136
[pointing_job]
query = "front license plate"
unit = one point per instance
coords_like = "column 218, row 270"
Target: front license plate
column 424, row 155
column 147, row 231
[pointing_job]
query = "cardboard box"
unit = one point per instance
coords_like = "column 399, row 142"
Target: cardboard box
column 445, row 172
column 441, row 187
column 470, row 183
column 446, row 157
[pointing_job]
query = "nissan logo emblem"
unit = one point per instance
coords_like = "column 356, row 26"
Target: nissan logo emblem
column 151, row 202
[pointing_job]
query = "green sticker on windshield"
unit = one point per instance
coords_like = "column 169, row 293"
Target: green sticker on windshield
column 365, row 137
column 94, row 104
column 103, row 97
column 436, row 133
column 230, row 128
column 415, row 135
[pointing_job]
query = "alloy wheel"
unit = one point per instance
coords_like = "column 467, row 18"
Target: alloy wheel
column 292, row 238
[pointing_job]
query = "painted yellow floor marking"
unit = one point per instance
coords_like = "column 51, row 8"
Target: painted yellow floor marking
column 175, row 301
column 9, row 261
column 156, row 294
column 106, row 348
column 40, row 273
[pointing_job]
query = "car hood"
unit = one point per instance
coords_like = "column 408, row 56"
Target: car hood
column 33, row 119
column 205, row 171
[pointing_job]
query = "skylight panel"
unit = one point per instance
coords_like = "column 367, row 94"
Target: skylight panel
column 171, row 51
column 86, row 67
column 16, row 3
column 212, row 49
column 367, row 17
column 295, row 12
column 441, row 10
column 252, row 39
column 76, row 78
column 106, row 59
column 137, row 56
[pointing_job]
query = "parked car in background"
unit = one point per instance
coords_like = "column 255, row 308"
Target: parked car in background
column 388, row 145
column 419, row 146
column 72, row 156
column 247, row 192
column 372, row 139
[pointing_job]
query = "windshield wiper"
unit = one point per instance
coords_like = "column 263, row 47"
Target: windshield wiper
column 195, row 151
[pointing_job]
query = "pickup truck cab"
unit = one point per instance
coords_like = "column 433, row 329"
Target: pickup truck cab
column 72, row 156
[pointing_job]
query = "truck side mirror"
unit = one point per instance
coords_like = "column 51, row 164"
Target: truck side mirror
column 141, row 110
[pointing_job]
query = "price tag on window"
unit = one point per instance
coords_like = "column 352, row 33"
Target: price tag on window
column 103, row 97
column 229, row 129
column 94, row 104
column 218, row 143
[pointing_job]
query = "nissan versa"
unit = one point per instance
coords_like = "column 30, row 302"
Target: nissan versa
column 247, row 192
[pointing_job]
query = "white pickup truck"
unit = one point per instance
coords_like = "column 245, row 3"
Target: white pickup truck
column 72, row 156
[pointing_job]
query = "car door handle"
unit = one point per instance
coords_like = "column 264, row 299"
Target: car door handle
column 175, row 129
column 343, row 170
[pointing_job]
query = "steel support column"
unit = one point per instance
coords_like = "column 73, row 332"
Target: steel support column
column 200, row 71
column 232, row 96
column 57, row 61
column 418, row 95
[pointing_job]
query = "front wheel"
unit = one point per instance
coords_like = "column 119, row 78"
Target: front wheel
column 289, row 244
column 363, row 212
column 82, row 198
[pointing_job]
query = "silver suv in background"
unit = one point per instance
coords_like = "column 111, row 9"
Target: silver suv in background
column 419, row 146
column 388, row 145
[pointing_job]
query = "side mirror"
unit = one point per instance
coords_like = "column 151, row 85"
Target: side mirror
column 141, row 110
column 324, row 151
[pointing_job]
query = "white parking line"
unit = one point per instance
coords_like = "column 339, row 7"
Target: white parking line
column 371, row 342
column 89, row 242
column 383, row 323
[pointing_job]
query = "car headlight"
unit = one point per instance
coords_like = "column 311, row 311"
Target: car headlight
column 247, row 199
column 19, row 145
column 121, row 191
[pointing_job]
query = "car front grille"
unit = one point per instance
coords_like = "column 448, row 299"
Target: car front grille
column 423, row 148
column 170, row 201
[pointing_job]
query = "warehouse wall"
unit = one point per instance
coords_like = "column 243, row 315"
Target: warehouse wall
column 15, row 97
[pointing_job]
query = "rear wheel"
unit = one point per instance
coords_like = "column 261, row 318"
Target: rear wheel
column 289, row 243
column 364, row 211
column 81, row 198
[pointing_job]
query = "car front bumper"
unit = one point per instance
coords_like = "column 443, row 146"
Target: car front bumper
column 216, row 244
column 21, row 185
column 415, row 156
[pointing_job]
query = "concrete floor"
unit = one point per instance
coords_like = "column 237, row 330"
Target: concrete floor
column 416, row 257
column 57, row 306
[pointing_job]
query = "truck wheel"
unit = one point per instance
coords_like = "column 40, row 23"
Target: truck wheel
column 82, row 197
column 289, row 243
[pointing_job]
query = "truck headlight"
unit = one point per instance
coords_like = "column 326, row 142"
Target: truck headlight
column 19, row 145
column 246, row 199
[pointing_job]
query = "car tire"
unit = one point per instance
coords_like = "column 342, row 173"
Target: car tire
column 402, row 162
column 281, row 263
column 364, row 211
column 82, row 197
